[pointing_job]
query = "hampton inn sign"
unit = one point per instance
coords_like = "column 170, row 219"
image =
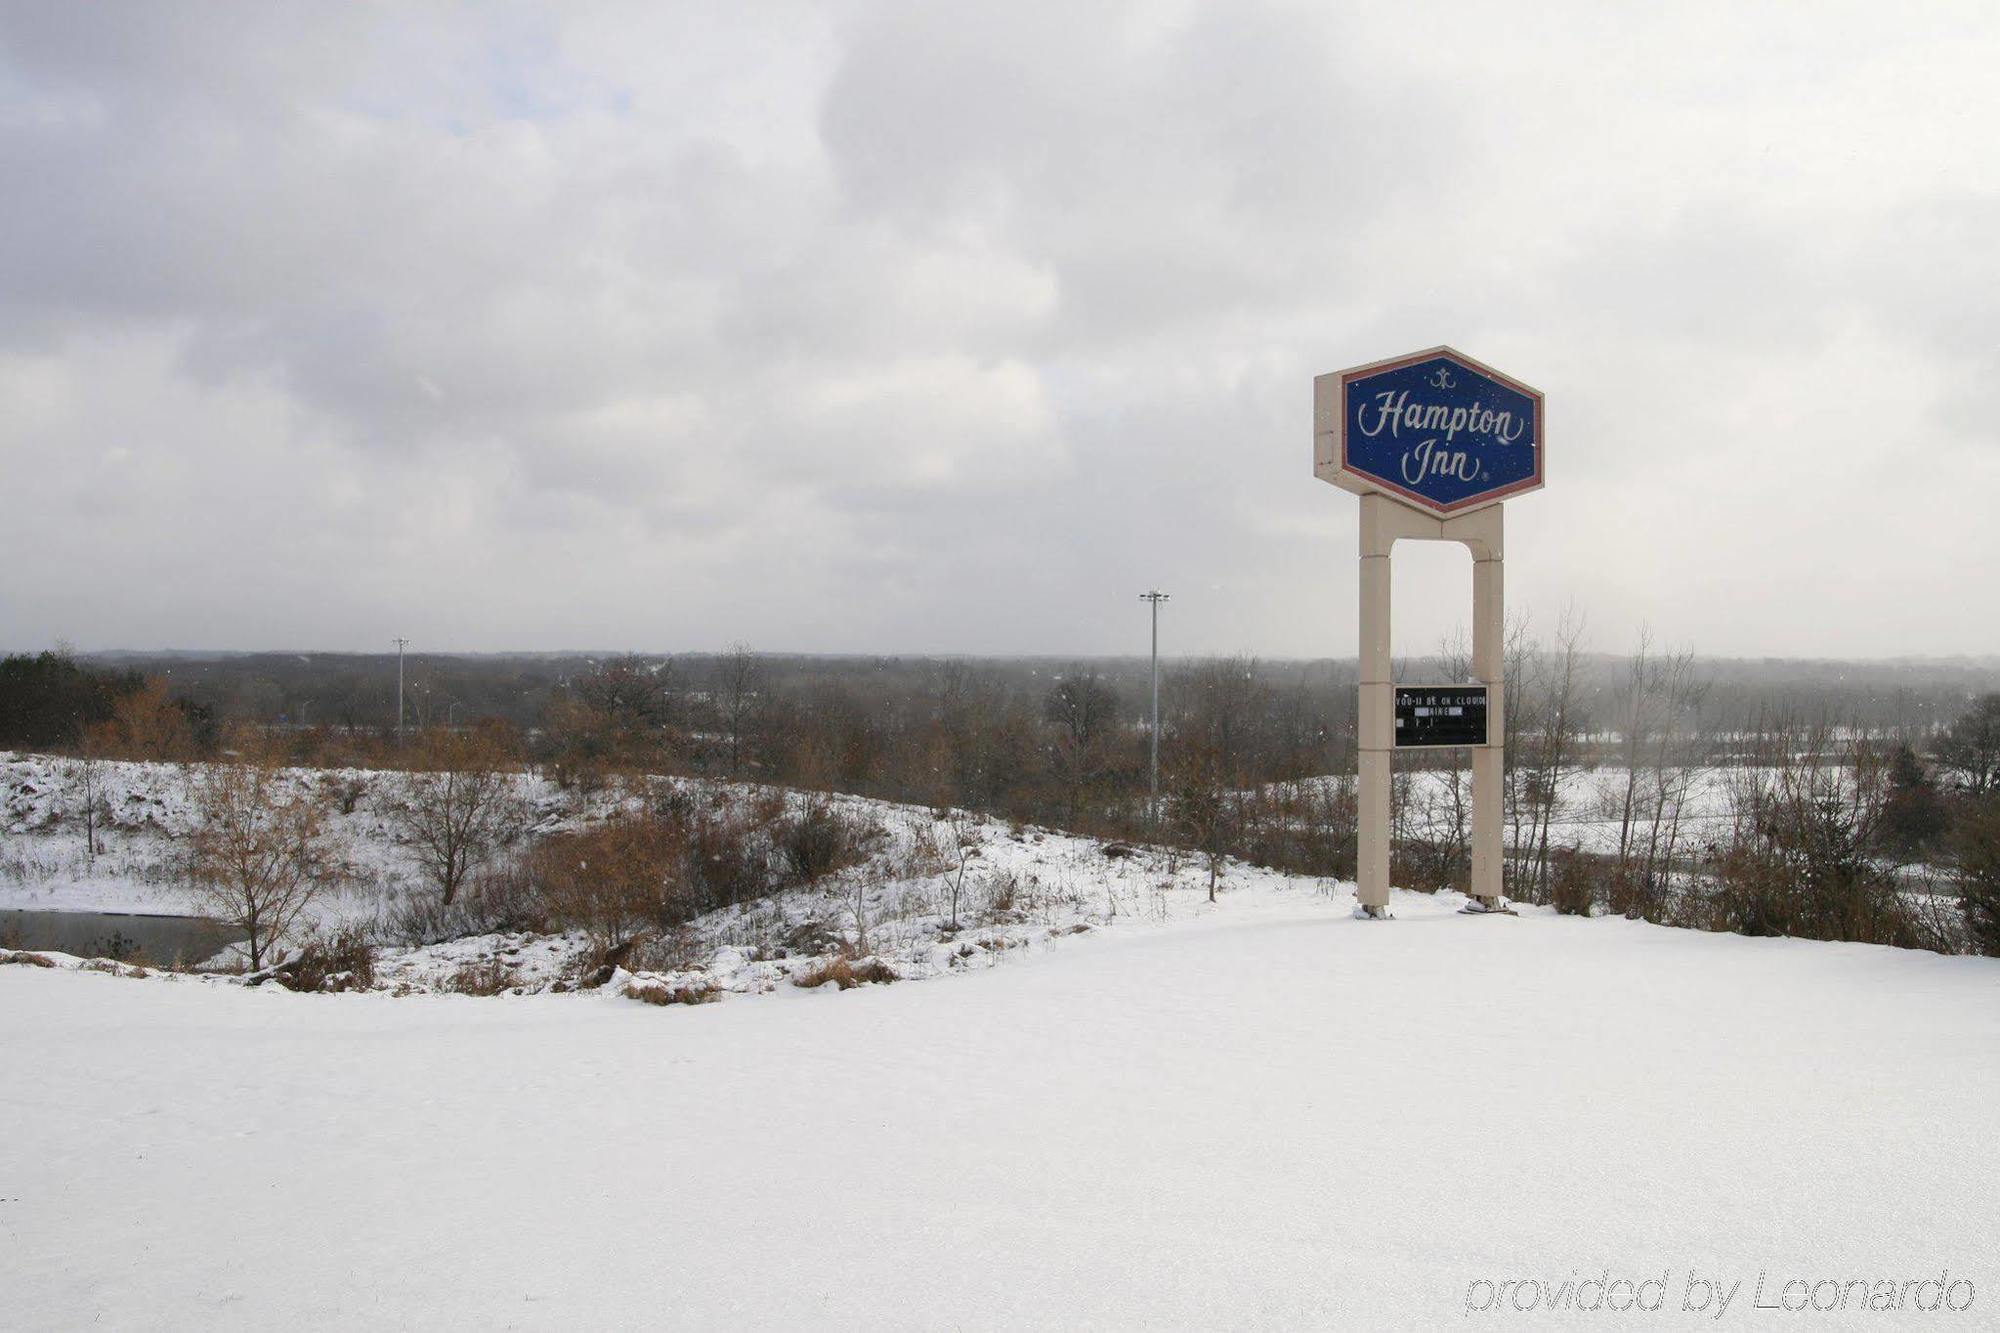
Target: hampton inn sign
column 1433, row 443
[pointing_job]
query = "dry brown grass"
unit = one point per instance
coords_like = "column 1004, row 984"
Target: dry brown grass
column 846, row 973
column 24, row 959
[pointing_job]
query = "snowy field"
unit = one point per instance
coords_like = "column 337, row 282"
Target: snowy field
column 147, row 809
column 1589, row 801
column 1018, row 887
column 1266, row 1115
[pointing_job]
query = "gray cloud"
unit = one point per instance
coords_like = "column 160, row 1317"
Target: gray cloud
column 935, row 327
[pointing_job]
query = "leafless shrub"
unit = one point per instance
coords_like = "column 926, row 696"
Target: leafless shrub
column 809, row 937
column 418, row 920
column 666, row 951
column 343, row 791
column 729, row 850
column 1938, row 915
column 341, row 961
column 1638, row 892
column 819, row 840
column 1002, row 888
column 491, row 977
column 499, row 898
column 504, row 898
column 616, row 881
column 1797, row 869
column 1574, row 884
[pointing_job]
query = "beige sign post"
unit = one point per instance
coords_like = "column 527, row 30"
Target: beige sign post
column 1432, row 443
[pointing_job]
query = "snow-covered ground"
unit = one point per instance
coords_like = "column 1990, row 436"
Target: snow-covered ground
column 1265, row 1115
column 46, row 865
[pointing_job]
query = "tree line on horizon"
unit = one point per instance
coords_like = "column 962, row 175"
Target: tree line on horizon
column 1247, row 751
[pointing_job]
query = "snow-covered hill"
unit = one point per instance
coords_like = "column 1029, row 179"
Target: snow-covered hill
column 1265, row 1115
column 1018, row 887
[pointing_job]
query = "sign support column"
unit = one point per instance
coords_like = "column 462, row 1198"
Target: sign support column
column 1489, row 661
column 1373, row 775
column 1432, row 442
column 1383, row 523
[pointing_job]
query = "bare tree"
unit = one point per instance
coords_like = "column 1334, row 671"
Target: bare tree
column 1524, row 672
column 1542, row 745
column 1222, row 701
column 957, row 845
column 738, row 699
column 1976, row 863
column 1661, row 749
column 1640, row 707
column 1673, row 767
column 257, row 857
column 1203, row 812
column 1082, row 711
column 457, row 805
column 855, row 890
column 86, row 775
column 1971, row 746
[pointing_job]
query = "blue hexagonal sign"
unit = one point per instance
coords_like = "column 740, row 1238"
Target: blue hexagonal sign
column 1435, row 430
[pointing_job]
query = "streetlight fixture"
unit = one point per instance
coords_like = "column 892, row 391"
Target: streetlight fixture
column 400, row 645
column 1153, row 807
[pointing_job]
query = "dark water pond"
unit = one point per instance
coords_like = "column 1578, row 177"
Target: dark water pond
column 157, row 939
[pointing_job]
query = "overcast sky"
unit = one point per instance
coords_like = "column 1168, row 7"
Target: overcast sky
column 952, row 328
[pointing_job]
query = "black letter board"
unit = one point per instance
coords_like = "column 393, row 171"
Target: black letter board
column 1440, row 715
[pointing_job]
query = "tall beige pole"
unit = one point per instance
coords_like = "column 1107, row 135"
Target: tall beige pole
column 1484, row 532
column 1383, row 522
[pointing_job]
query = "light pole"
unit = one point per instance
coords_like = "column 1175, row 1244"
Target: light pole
column 400, row 644
column 1153, row 806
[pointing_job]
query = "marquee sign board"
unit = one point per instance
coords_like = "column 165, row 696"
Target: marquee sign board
column 1435, row 430
column 1431, row 715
